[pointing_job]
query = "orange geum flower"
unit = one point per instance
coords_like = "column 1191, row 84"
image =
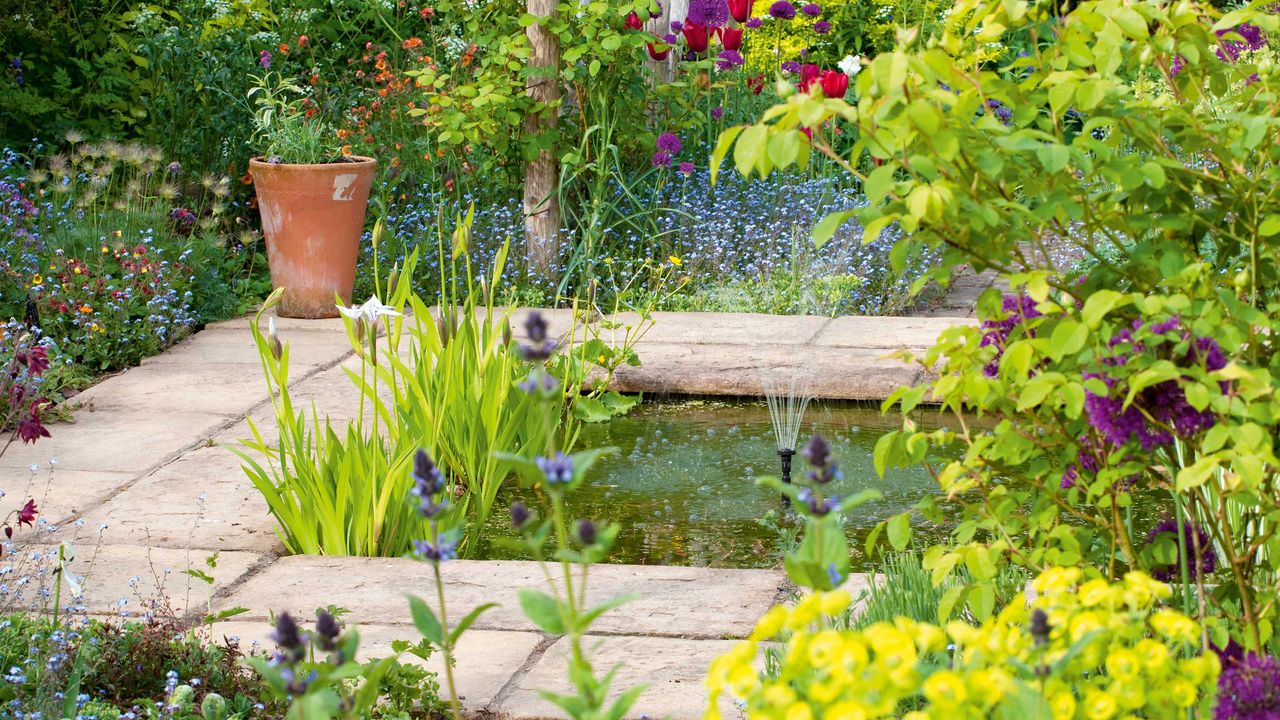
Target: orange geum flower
column 86, row 309
column 284, row 49
column 413, row 42
column 346, row 151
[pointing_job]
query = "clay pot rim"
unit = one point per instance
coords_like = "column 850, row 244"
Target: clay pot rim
column 353, row 161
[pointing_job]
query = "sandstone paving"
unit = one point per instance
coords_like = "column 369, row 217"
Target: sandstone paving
column 485, row 660
column 672, row 671
column 227, row 390
column 60, row 493
column 121, row 580
column 125, row 440
column 202, row 500
column 669, row 602
column 233, row 345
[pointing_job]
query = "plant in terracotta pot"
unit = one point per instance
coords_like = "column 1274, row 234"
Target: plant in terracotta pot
column 312, row 195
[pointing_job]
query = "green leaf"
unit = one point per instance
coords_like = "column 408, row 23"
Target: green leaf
column 722, row 148
column 542, row 610
column 899, row 531
column 879, row 182
column 589, row 409
column 750, row 148
column 426, row 621
column 1197, row 395
column 827, row 227
column 1197, row 473
column 1035, row 391
column 1098, row 305
column 982, row 601
column 1053, row 158
column 1068, row 339
column 1270, row 226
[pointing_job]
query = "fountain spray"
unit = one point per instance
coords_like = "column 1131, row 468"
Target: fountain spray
column 787, row 392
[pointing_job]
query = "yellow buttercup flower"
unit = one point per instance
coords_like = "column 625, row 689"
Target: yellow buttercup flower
column 37, row 280
column 674, row 260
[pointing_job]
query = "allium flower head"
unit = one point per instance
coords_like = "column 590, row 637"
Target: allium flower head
column 660, row 159
column 717, row 113
column 686, row 167
column 822, row 27
column 728, row 60
column 811, row 9
column 782, row 10
column 753, row 23
column 708, row 13
column 669, row 143
column 1249, row 688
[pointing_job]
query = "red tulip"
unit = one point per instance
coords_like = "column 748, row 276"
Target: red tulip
column 834, row 84
column 756, row 83
column 809, row 74
column 657, row 54
column 740, row 10
column 634, row 22
column 731, row 38
column 697, row 36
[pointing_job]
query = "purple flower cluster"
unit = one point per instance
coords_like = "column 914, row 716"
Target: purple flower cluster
column 753, row 23
column 728, row 60
column 1204, row 560
column 822, row 27
column 1254, row 39
column 668, row 146
column 1249, row 688
column 1165, row 403
column 1000, row 111
column 782, row 10
column 1017, row 310
column 811, row 9
column 708, row 13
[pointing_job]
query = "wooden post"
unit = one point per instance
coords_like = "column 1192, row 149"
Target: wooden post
column 541, row 206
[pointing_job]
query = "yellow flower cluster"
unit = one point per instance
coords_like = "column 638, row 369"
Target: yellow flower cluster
column 1108, row 650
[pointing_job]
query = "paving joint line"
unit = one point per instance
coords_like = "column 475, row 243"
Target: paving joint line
column 512, row 684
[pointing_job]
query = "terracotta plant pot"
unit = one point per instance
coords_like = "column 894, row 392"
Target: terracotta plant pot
column 312, row 217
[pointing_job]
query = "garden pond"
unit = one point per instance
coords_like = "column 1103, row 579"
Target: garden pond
column 683, row 486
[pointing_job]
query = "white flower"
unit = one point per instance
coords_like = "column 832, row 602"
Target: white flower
column 850, row 65
column 370, row 311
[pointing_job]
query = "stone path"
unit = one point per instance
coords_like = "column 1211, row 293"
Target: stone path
column 147, row 457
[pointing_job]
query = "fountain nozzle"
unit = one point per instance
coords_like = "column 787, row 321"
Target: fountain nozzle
column 786, row 456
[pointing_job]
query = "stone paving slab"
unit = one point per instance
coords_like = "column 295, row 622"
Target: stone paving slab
column 208, row 388
column 885, row 333
column 485, row 660
column 107, row 572
column 843, row 373
column 207, row 502
column 60, row 493
column 233, row 345
column 125, row 440
column 673, row 671
column 673, row 601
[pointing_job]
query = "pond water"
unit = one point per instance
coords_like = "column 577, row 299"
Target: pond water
column 683, row 485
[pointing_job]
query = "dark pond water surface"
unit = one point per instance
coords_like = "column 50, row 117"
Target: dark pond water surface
column 683, row 485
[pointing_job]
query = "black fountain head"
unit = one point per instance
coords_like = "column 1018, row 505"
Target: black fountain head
column 786, row 454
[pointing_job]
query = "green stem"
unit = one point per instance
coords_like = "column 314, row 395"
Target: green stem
column 446, row 647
